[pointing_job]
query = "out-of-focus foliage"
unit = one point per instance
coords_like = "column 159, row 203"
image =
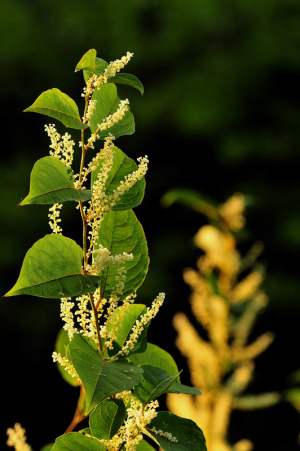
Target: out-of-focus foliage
column 220, row 113
column 225, row 301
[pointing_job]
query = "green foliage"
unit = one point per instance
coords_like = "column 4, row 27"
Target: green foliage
column 51, row 182
column 107, row 418
column 58, row 105
column 119, row 374
column 109, row 101
column 122, row 167
column 52, row 269
column 122, row 232
column 187, row 433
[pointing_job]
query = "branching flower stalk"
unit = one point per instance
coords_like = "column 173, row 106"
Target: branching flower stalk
column 226, row 299
column 104, row 330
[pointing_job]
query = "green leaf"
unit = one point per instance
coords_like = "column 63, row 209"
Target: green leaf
column 107, row 104
column 100, row 66
column 47, row 447
column 155, row 356
column 144, row 446
column 120, row 232
column 58, row 105
column 62, row 341
column 128, row 79
column 52, row 269
column 107, row 418
column 180, row 388
column 127, row 316
column 87, row 62
column 101, row 379
column 154, row 383
column 51, row 182
column 122, row 166
column 74, row 441
column 189, row 436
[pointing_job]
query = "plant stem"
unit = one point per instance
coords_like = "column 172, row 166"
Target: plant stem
column 78, row 415
column 97, row 324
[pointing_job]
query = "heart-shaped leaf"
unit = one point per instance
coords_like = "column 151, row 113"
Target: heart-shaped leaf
column 107, row 418
column 120, row 232
column 101, row 378
column 154, row 383
column 52, row 269
column 122, row 167
column 187, row 436
column 51, row 182
column 87, row 62
column 155, row 356
column 128, row 79
column 107, row 104
column 58, row 105
column 77, row 442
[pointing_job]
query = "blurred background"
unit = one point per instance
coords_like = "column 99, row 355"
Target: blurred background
column 220, row 114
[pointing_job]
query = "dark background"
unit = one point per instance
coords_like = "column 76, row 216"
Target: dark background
column 220, row 114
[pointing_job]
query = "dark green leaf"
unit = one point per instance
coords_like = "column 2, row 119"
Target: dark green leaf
column 107, row 418
column 122, row 166
column 62, row 341
column 154, row 383
column 87, row 62
column 101, row 379
column 120, row 232
column 58, row 105
column 107, row 104
column 180, row 388
column 128, row 79
column 127, row 316
column 52, row 182
column 157, row 357
column 74, row 441
column 189, row 436
column 52, row 269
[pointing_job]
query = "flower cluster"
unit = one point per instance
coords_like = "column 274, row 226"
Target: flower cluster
column 64, row 150
column 225, row 302
column 54, row 218
column 141, row 323
column 95, row 81
column 131, row 433
column 17, row 438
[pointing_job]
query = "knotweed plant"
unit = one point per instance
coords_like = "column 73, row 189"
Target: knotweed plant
column 226, row 297
column 103, row 344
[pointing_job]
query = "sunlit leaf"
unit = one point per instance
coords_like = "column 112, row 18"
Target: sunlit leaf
column 128, row 79
column 52, row 269
column 52, row 182
column 107, row 418
column 122, row 166
column 127, row 316
column 120, row 232
column 154, row 383
column 157, row 357
column 101, row 379
column 87, row 62
column 107, row 103
column 74, row 441
column 58, row 105
column 188, row 435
